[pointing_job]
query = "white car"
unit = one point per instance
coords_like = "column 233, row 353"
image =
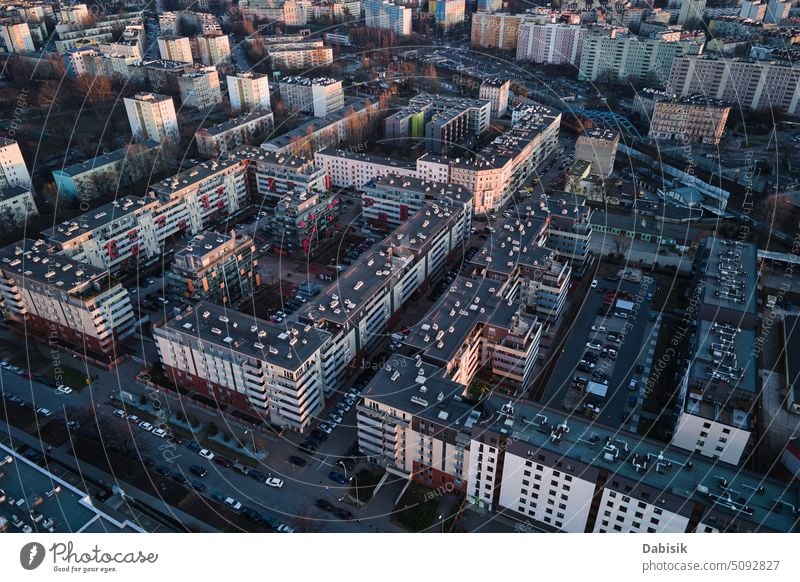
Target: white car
column 6, row 460
column 119, row 413
column 336, row 418
column 43, row 412
column 283, row 528
column 594, row 284
column 63, row 389
column 206, row 454
column 598, row 328
column 274, row 482
column 5, row 365
column 593, row 345
column 232, row 503
column 325, row 428
column 145, row 426
column 160, row 433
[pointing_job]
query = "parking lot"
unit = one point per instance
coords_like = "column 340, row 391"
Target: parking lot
column 599, row 373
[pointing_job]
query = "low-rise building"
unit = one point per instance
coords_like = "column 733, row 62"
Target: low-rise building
column 248, row 129
column 273, row 371
column 214, row 267
column 57, row 299
column 599, row 147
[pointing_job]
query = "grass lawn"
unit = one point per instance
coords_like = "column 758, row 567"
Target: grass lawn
column 420, row 506
column 69, row 376
column 363, row 485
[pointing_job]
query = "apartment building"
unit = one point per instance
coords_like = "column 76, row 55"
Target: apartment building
column 477, row 328
column 625, row 57
column 690, row 119
column 76, row 13
column 569, row 226
column 17, row 38
column 304, row 220
column 213, row 49
column 495, row 31
column 272, row 371
column 200, row 88
column 319, row 133
column 691, row 12
column 720, row 389
column 175, row 48
column 249, row 91
column 16, row 207
column 358, row 308
column 272, row 175
column 386, row 14
column 13, row 171
column 496, row 91
column 318, row 96
column 598, row 146
column 751, row 84
column 108, row 172
column 448, row 13
column 300, row 56
column 152, row 117
column 388, row 201
column 571, row 475
column 551, row 43
column 58, row 299
column 248, row 129
column 412, row 421
column 75, row 34
column 214, row 267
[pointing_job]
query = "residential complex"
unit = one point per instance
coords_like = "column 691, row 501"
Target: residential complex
column 16, row 207
column 213, row 49
column 13, row 171
column 599, row 147
column 447, row 13
column 304, row 220
column 752, row 84
column 500, row 31
column 152, row 117
column 17, row 38
column 690, row 119
column 496, row 91
column 175, row 48
column 319, row 96
column 625, row 57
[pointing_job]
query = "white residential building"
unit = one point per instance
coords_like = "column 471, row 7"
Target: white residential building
column 13, row 171
column 175, row 48
column 213, row 49
column 550, row 43
column 200, row 88
column 249, row 91
column 319, row 96
column 16, row 206
column 152, row 117
column 17, row 38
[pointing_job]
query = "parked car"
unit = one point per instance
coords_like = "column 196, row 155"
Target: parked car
column 297, row 461
column 63, row 389
column 342, row 513
column 206, row 454
column 257, row 475
column 232, row 503
column 324, row 505
column 198, row 470
column 223, row 461
column 194, row 446
column 337, row 477
column 160, row 433
column 145, row 426
column 163, row 471
column 198, row 486
column 43, row 412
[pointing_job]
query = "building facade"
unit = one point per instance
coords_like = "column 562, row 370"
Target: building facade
column 249, row 91
column 550, row 43
column 152, row 117
column 319, row 96
column 200, row 88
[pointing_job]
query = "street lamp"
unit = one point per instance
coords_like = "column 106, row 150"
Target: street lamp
column 253, row 437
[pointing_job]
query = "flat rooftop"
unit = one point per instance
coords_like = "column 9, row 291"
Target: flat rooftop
column 309, row 81
column 287, row 345
column 111, row 157
column 411, row 384
column 430, row 189
column 315, row 123
column 197, row 173
column 97, row 218
column 730, row 275
column 32, row 260
column 226, row 126
column 680, row 473
column 72, row 510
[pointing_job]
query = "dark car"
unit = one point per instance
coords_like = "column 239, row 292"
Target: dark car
column 251, row 514
column 180, row 478
column 177, row 439
column 198, row 486
column 198, row 470
column 224, row 461
column 164, row 471
column 337, row 477
column 299, row 461
column 257, row 475
column 343, row 513
column 318, row 435
column 193, row 446
column 324, row 504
